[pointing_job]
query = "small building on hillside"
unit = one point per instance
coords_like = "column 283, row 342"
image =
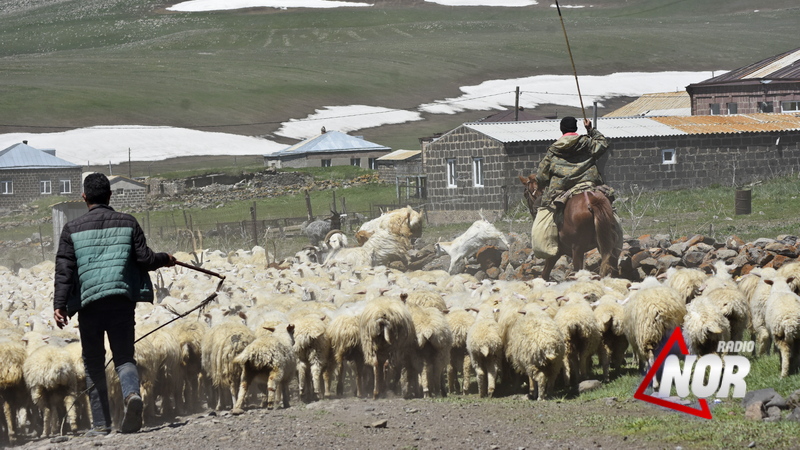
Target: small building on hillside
column 64, row 212
column 404, row 169
column 768, row 86
column 476, row 166
column 28, row 173
column 127, row 193
column 329, row 148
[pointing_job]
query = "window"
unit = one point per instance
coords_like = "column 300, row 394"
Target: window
column 732, row 108
column 451, row 173
column 373, row 163
column 119, row 192
column 714, row 107
column 790, row 106
column 355, row 162
column 325, row 163
column 765, row 107
column 6, row 187
column 45, row 187
column 477, row 172
column 668, row 156
column 66, row 186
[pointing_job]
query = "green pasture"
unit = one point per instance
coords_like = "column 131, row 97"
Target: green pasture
column 86, row 62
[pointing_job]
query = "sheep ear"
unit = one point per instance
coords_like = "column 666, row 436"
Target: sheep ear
column 769, row 282
column 445, row 311
column 403, row 297
column 242, row 315
column 789, row 280
column 290, row 328
column 522, row 312
column 323, row 318
column 270, row 329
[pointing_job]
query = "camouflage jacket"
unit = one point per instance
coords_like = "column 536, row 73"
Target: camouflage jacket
column 572, row 159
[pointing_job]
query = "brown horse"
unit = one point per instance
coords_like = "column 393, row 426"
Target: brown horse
column 588, row 223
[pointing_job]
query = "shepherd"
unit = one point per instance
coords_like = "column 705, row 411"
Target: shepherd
column 569, row 172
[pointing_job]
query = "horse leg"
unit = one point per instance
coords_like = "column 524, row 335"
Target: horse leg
column 577, row 258
column 549, row 264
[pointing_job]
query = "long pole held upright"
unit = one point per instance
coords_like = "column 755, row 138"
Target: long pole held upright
column 574, row 72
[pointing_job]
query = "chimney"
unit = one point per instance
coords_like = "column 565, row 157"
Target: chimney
column 25, row 142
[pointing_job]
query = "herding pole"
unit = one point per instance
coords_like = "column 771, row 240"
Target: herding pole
column 574, row 72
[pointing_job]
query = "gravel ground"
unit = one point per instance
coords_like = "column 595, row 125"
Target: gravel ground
column 457, row 422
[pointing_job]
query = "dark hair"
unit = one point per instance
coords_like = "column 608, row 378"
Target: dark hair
column 97, row 189
column 569, row 124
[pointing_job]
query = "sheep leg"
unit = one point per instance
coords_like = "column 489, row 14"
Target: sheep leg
column 425, row 378
column 786, row 353
column 452, row 376
column 244, row 385
column 532, row 388
column 605, row 361
column 285, row 393
column 480, row 374
column 380, row 381
column 491, row 377
column 272, row 394
column 466, row 373
column 360, row 375
column 762, row 341
column 72, row 413
column 316, row 379
column 11, row 419
column 302, row 378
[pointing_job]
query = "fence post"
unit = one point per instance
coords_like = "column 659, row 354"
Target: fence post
column 308, row 207
column 255, row 224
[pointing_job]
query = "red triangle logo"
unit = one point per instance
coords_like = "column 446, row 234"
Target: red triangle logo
column 703, row 411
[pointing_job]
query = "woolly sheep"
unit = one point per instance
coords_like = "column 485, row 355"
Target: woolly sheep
column 345, row 340
column 426, row 298
column 190, row 337
column 686, row 281
column 733, row 304
column 459, row 321
column 536, row 348
column 220, row 346
column 609, row 314
column 12, row 382
column 650, row 315
column 791, row 271
column 434, row 340
column 312, row 351
column 388, row 335
column 485, row 348
column 269, row 354
column 783, row 322
column 757, row 291
column 51, row 379
column 704, row 326
column 582, row 337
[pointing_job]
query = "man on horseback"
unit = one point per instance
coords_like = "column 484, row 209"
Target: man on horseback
column 570, row 161
column 568, row 168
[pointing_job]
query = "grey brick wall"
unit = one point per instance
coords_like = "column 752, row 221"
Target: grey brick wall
column 129, row 198
column 27, row 187
column 700, row 160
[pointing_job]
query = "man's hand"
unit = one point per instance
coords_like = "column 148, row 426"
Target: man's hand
column 588, row 124
column 172, row 261
column 61, row 317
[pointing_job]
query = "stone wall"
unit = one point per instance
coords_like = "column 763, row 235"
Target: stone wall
column 26, row 184
column 747, row 97
column 128, row 199
column 697, row 161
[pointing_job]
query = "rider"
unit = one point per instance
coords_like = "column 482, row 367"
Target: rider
column 570, row 162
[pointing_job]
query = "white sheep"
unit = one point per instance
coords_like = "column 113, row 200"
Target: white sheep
column 434, row 340
column 345, row 340
column 651, row 314
column 757, row 291
column 485, row 349
column 12, row 382
column 459, row 320
column 733, row 304
column 312, row 351
column 783, row 322
column 608, row 314
column 388, row 335
column 220, row 346
column 480, row 233
column 190, row 337
column 582, row 337
column 687, row 281
column 536, row 348
column 270, row 354
column 52, row 381
column 704, row 326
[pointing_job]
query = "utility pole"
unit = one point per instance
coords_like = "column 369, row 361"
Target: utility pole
column 516, row 107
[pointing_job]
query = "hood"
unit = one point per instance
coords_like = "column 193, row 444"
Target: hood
column 566, row 145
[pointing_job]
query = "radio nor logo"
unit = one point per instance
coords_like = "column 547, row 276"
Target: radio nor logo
column 701, row 376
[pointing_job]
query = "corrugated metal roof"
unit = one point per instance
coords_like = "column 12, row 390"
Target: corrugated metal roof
column 631, row 127
column 656, row 104
column 400, row 155
column 331, row 141
column 744, row 123
column 785, row 66
column 548, row 130
column 23, row 156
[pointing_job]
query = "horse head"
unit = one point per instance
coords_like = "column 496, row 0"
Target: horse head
column 531, row 192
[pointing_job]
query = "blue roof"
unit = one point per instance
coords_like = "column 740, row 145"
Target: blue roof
column 23, row 156
column 331, row 141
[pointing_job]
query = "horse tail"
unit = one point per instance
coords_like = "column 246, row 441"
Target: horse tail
column 607, row 233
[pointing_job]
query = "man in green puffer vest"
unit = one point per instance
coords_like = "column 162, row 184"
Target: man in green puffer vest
column 101, row 272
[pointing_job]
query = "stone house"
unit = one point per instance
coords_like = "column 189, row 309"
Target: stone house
column 768, row 86
column 127, row 193
column 475, row 166
column 28, row 173
column 404, row 169
column 329, row 148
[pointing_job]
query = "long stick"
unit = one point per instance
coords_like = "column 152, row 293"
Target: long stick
column 574, row 72
column 199, row 269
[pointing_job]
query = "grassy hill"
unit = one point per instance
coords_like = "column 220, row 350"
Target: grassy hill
column 74, row 63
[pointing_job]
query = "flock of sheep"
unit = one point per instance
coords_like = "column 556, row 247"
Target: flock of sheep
column 350, row 321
